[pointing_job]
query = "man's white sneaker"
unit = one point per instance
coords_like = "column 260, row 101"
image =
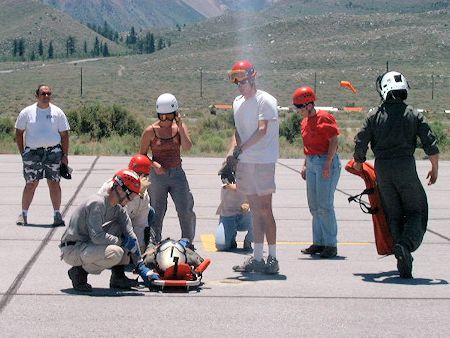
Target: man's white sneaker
column 22, row 219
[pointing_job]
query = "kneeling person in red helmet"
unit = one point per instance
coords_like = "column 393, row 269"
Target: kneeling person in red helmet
column 142, row 215
column 100, row 236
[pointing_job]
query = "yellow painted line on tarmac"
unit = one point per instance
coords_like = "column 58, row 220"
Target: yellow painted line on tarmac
column 208, row 242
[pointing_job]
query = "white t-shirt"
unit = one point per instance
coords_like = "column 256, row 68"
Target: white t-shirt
column 247, row 114
column 42, row 126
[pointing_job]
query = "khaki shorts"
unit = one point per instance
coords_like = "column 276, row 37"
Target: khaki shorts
column 255, row 178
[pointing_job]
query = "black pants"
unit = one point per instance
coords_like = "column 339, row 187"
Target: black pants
column 404, row 200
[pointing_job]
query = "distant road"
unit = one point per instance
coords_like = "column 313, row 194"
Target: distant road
column 44, row 64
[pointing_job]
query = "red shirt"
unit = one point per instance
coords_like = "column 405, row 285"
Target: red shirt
column 317, row 131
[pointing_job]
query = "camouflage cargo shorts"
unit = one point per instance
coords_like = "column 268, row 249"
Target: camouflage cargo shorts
column 42, row 162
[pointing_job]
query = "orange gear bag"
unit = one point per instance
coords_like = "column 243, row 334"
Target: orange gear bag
column 383, row 236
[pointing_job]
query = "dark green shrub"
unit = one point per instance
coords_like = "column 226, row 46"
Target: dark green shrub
column 103, row 121
column 290, row 128
column 441, row 133
column 6, row 126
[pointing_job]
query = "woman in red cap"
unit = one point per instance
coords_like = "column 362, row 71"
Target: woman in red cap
column 321, row 170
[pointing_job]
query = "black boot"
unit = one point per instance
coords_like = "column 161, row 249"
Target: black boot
column 119, row 280
column 404, row 261
column 78, row 277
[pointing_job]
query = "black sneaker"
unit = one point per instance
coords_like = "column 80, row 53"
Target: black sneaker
column 328, row 252
column 404, row 261
column 313, row 249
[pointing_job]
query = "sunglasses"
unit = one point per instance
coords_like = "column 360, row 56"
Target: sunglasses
column 46, row 94
column 301, row 106
column 241, row 83
column 169, row 117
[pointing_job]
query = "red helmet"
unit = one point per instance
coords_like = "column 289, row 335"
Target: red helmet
column 303, row 95
column 241, row 70
column 141, row 164
column 128, row 180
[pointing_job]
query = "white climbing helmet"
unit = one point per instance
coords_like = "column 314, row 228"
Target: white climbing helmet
column 166, row 104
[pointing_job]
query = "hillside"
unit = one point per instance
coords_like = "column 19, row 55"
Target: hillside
column 144, row 14
column 285, row 8
column 287, row 51
column 121, row 15
column 31, row 20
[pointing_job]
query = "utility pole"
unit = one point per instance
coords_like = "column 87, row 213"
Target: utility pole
column 315, row 82
column 201, row 82
column 432, row 86
column 81, row 81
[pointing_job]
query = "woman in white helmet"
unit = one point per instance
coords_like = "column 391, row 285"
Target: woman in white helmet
column 165, row 138
column 392, row 130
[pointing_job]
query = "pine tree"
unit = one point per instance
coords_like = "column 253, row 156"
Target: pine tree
column 160, row 43
column 50, row 50
column 70, row 46
column 21, row 48
column 85, row 47
column 149, row 43
column 40, row 48
column 132, row 36
column 15, row 48
column 96, row 50
column 105, row 50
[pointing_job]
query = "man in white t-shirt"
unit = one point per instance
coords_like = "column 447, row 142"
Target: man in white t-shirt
column 256, row 146
column 42, row 136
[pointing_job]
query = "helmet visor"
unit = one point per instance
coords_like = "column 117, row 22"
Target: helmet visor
column 169, row 116
column 238, row 75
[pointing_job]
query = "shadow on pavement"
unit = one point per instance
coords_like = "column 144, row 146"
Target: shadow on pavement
column 254, row 277
column 31, row 225
column 317, row 257
column 392, row 277
column 106, row 292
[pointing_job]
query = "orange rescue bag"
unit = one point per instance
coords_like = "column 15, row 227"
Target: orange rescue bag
column 383, row 236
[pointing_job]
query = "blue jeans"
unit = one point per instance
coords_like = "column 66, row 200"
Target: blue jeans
column 320, row 192
column 232, row 224
column 173, row 182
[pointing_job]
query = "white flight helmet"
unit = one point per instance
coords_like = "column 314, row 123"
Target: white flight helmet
column 391, row 81
column 169, row 253
column 166, row 104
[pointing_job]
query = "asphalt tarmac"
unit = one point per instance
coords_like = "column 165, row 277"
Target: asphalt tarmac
column 356, row 294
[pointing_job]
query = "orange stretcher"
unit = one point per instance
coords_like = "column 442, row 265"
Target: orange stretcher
column 383, row 236
column 182, row 275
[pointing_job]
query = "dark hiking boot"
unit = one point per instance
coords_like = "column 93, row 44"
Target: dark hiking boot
column 58, row 220
column 78, row 276
column 119, row 280
column 313, row 249
column 328, row 252
column 404, row 261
